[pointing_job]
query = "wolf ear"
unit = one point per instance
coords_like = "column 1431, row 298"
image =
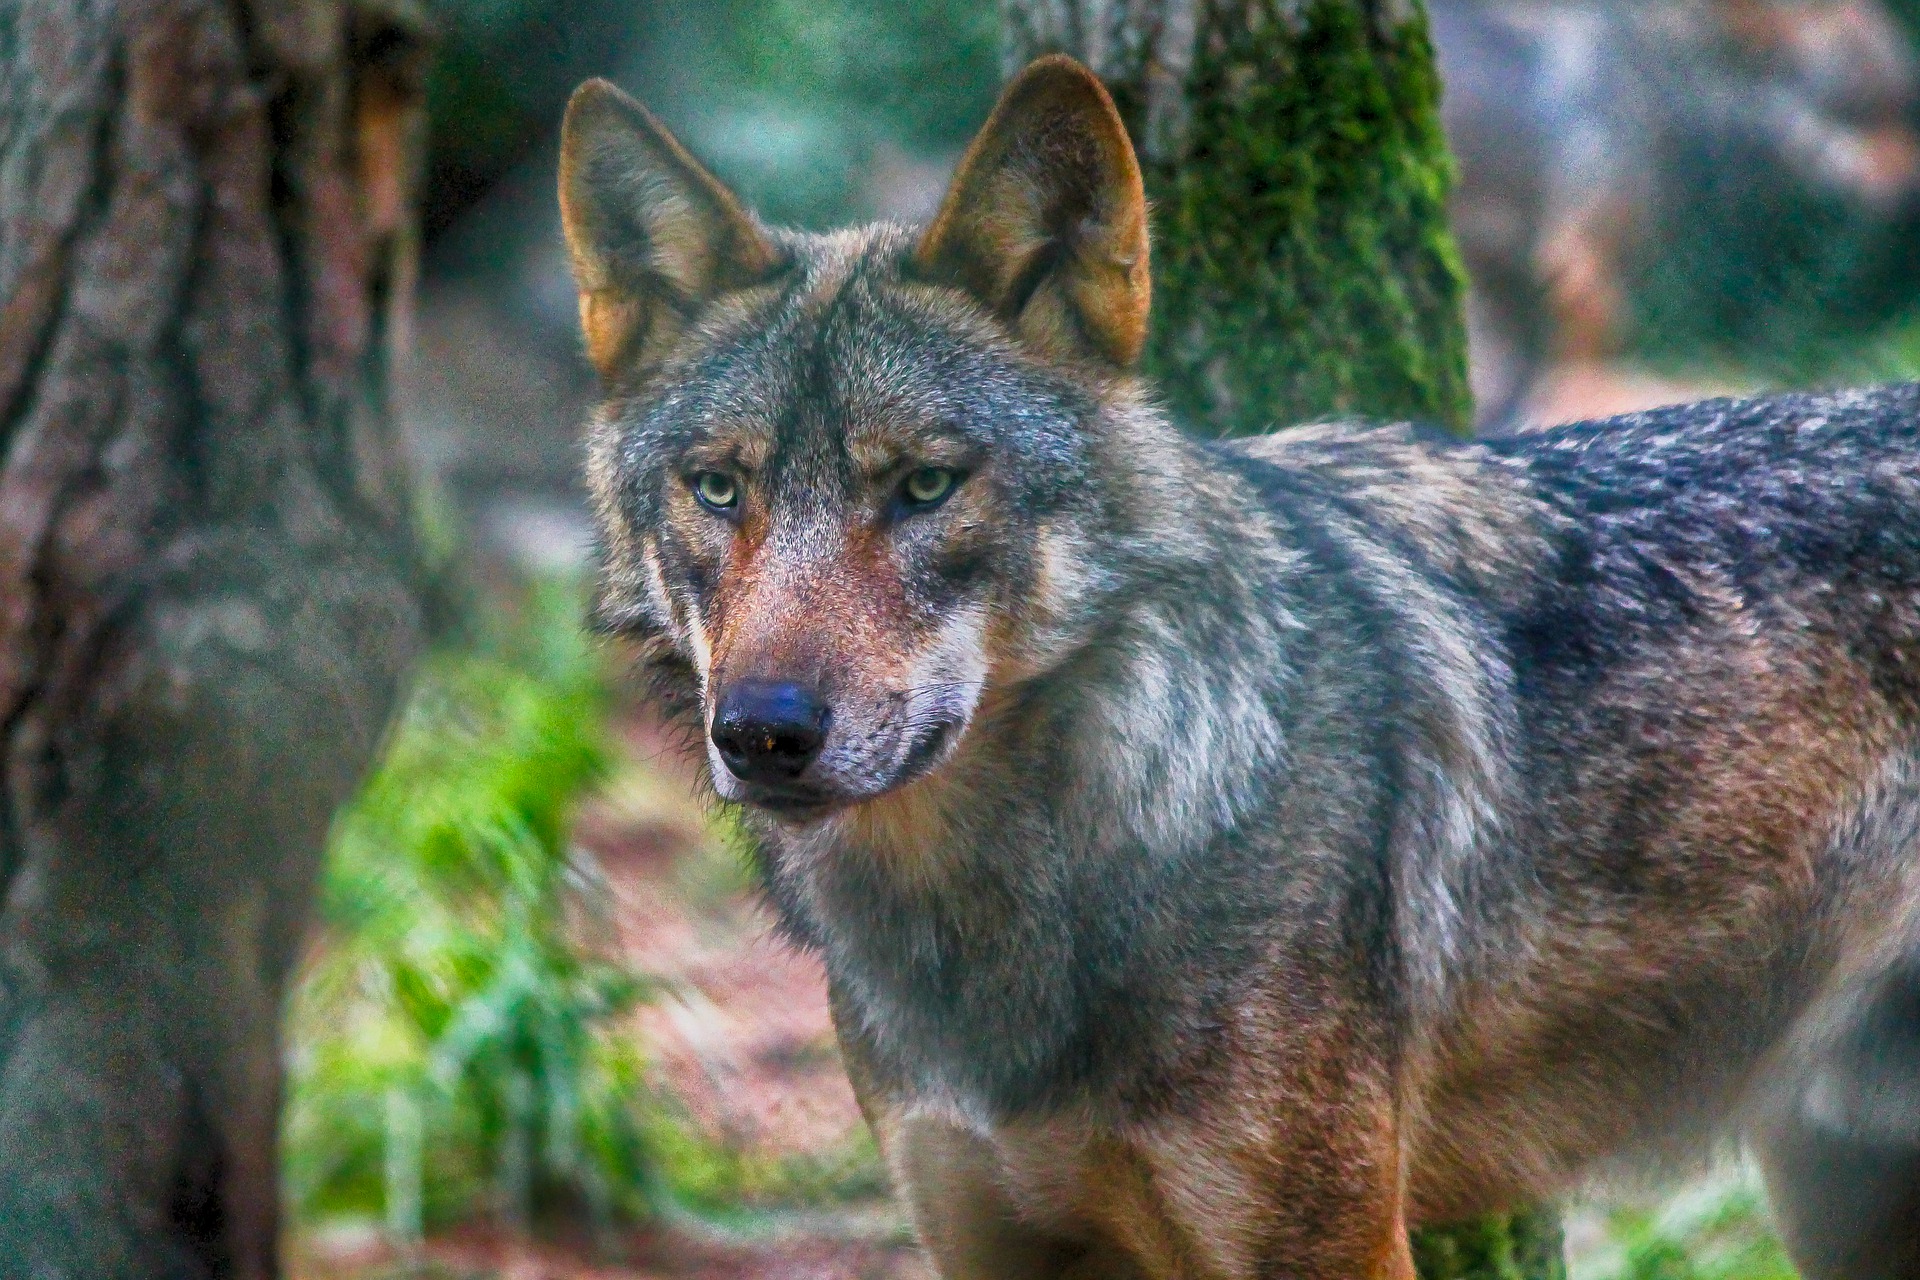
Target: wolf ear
column 1046, row 221
column 651, row 233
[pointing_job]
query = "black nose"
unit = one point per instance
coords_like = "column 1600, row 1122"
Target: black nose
column 769, row 731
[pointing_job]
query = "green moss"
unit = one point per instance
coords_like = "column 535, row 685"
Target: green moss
column 1303, row 265
column 794, row 102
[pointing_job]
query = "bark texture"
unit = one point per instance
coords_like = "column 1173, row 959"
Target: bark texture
column 207, row 587
column 1302, row 265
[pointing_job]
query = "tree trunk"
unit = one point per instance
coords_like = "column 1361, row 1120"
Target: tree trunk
column 207, row 586
column 1302, row 262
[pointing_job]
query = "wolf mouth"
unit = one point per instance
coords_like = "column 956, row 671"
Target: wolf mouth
column 794, row 804
column 801, row 802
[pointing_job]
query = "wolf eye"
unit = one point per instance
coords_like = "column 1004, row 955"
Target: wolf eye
column 716, row 490
column 929, row 485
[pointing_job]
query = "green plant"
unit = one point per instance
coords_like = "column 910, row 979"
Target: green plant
column 1715, row 1230
column 452, row 1041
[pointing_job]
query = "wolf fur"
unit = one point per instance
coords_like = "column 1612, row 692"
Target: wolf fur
column 1226, row 854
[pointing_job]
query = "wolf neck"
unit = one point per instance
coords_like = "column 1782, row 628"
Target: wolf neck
column 997, row 912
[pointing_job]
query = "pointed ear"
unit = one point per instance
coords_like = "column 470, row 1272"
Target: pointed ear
column 651, row 233
column 1046, row 221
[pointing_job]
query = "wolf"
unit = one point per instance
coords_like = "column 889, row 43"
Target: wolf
column 1225, row 855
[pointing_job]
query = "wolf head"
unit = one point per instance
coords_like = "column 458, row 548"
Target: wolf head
column 844, row 482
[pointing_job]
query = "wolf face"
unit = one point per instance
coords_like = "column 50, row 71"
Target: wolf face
column 843, row 480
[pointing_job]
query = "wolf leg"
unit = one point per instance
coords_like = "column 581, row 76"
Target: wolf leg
column 1314, row 1214
column 1052, row 1203
column 1842, row 1156
column 968, row 1217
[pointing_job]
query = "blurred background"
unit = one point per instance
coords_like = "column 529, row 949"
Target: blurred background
column 545, row 1030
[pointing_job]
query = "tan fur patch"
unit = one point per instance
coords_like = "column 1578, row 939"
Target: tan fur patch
column 1239, row 1179
column 1046, row 220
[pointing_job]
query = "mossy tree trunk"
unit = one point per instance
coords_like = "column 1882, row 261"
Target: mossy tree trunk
column 207, row 585
column 1302, row 262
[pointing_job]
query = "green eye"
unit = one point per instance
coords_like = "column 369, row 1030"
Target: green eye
column 716, row 490
column 929, row 485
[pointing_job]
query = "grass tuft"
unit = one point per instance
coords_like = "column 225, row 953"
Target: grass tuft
column 453, row 1046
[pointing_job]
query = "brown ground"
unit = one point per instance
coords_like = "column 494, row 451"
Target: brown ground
column 487, row 1253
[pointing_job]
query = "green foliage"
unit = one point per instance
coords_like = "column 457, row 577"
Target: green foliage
column 721, row 1181
column 500, row 74
column 1302, row 262
column 1520, row 1247
column 1717, row 1230
column 452, row 1043
column 1754, row 267
column 793, row 100
column 1757, row 268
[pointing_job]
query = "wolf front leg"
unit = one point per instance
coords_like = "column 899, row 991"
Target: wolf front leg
column 969, row 1217
column 1196, row 1196
column 1295, row 1174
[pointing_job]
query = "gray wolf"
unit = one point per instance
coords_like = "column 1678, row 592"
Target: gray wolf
column 1225, row 855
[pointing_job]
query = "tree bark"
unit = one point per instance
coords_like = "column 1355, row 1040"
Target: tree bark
column 208, row 594
column 1302, row 263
